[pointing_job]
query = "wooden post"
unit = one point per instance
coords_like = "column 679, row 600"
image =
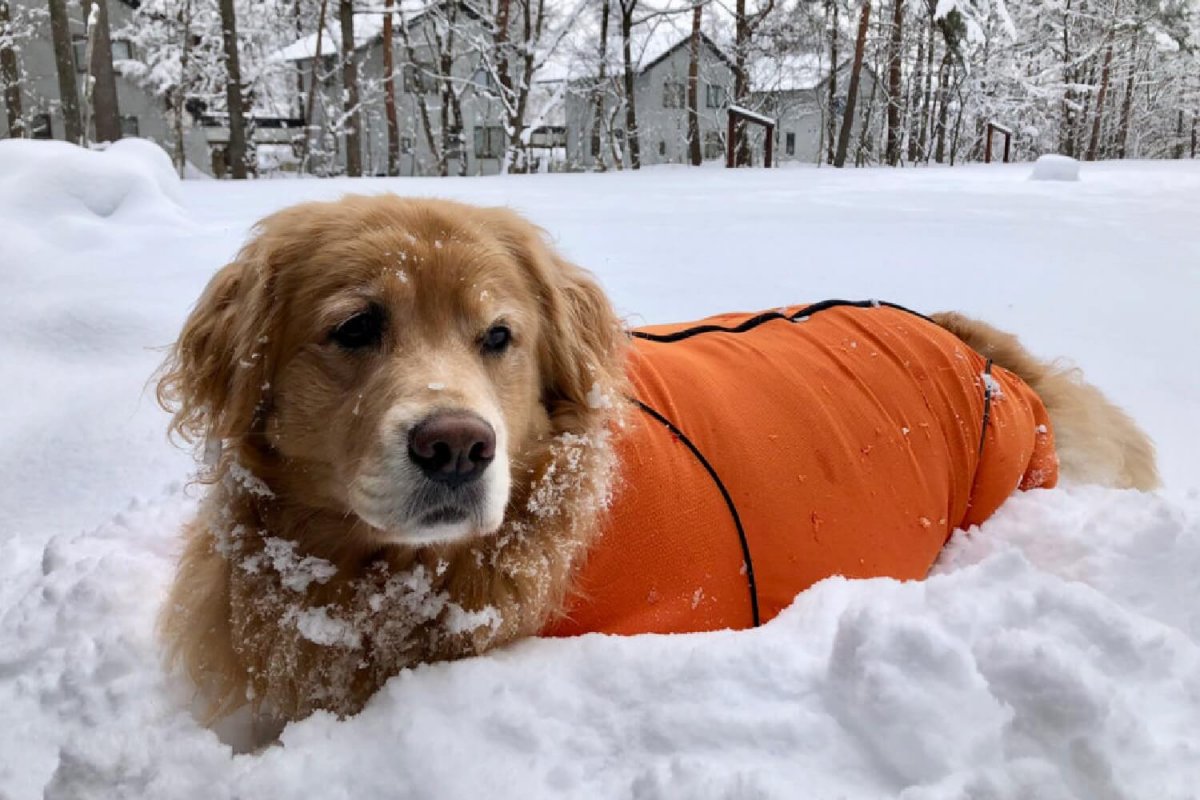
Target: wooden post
column 736, row 114
column 730, row 144
column 992, row 129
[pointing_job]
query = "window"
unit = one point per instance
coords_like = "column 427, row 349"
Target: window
column 482, row 79
column 714, row 147
column 79, row 45
column 39, row 127
column 714, row 95
column 674, row 95
column 789, row 144
column 121, row 51
column 454, row 143
column 129, row 126
column 489, row 141
column 419, row 78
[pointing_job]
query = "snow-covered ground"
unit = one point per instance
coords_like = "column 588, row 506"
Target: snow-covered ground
column 1054, row 654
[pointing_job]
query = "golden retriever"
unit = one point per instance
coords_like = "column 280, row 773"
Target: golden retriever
column 405, row 408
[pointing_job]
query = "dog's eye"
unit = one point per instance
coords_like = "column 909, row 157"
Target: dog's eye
column 364, row 329
column 496, row 340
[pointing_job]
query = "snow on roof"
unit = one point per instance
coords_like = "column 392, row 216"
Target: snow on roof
column 653, row 38
column 752, row 115
column 368, row 25
column 792, row 72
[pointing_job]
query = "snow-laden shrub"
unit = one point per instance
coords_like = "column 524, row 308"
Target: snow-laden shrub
column 1055, row 168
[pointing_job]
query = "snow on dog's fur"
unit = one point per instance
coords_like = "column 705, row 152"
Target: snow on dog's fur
column 323, row 561
column 313, row 572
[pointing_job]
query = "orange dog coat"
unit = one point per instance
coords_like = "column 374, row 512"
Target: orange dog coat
column 770, row 451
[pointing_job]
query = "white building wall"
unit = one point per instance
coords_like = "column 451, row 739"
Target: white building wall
column 39, row 93
column 662, row 122
column 417, row 157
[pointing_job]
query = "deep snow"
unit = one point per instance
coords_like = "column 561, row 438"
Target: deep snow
column 1055, row 653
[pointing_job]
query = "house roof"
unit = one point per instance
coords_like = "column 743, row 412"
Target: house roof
column 368, row 28
column 665, row 28
column 718, row 52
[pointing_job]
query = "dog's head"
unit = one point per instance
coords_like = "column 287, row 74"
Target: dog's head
column 403, row 361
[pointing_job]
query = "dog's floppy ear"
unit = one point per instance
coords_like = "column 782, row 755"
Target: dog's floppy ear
column 582, row 345
column 215, row 380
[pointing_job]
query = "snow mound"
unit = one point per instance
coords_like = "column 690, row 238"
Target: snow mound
column 74, row 195
column 1049, row 654
column 1055, row 168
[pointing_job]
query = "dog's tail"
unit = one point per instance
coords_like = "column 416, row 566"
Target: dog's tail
column 1097, row 442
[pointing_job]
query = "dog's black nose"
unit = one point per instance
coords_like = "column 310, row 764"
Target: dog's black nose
column 452, row 447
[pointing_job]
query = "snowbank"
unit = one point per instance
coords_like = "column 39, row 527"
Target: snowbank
column 1055, row 168
column 78, row 197
column 1054, row 654
column 1049, row 654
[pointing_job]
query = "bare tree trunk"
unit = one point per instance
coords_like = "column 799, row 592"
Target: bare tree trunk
column 598, row 92
column 298, row 31
column 10, row 75
column 1127, row 103
column 943, row 104
column 927, row 93
column 741, row 82
column 695, row 156
column 894, row 130
column 914, row 115
column 105, row 110
column 532, row 29
column 503, row 21
column 1094, row 142
column 233, row 92
column 1178, row 149
column 744, row 27
column 618, row 155
column 864, row 132
column 185, row 48
column 451, row 113
column 389, row 93
column 831, row 122
column 954, row 140
column 631, row 130
column 451, row 99
column 443, row 162
column 89, row 83
column 64, row 63
column 1068, row 110
column 515, row 97
column 313, row 88
column 860, row 45
column 353, row 115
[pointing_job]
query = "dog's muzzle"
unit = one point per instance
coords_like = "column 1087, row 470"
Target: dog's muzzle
column 443, row 477
column 452, row 448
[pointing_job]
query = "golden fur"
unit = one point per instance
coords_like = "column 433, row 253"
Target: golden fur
column 284, row 596
column 286, row 599
column 1096, row 441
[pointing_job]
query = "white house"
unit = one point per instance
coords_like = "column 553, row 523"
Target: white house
column 660, row 95
column 794, row 90
column 473, row 135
